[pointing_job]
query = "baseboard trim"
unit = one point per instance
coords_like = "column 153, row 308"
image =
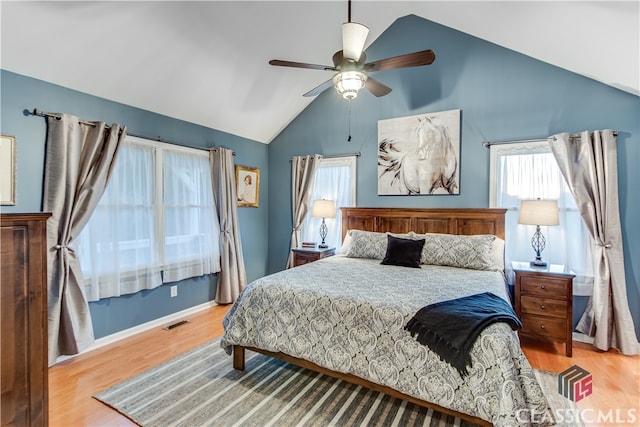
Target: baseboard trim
column 162, row 321
column 580, row 337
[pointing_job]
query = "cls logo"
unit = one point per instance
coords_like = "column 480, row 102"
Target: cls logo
column 575, row 383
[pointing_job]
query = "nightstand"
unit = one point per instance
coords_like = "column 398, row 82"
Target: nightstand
column 544, row 302
column 306, row 255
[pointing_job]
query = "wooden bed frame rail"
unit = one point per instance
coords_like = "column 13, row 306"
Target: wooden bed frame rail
column 239, row 358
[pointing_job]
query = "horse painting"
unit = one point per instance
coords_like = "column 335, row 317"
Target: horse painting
column 429, row 166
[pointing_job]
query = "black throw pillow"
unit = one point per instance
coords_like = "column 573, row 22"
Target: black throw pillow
column 403, row 252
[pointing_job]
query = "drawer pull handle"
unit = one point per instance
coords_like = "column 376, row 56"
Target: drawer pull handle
column 542, row 306
column 542, row 287
column 541, row 326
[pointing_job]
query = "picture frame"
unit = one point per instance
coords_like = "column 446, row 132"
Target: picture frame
column 247, row 186
column 7, row 170
column 419, row 155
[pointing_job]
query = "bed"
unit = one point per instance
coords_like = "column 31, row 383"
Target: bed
column 345, row 315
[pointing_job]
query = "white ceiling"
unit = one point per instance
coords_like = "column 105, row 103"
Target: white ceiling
column 206, row 62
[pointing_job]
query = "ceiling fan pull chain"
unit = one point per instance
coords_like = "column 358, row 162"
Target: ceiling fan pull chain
column 349, row 113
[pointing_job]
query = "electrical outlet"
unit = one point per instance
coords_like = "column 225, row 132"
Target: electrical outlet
column 174, row 291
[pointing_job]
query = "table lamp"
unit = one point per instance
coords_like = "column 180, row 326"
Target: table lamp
column 538, row 212
column 323, row 209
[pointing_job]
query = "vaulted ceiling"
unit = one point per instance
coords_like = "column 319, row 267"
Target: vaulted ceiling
column 206, row 62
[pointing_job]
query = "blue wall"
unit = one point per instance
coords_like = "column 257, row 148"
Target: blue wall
column 503, row 95
column 111, row 315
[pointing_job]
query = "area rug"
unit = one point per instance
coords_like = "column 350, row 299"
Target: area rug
column 200, row 388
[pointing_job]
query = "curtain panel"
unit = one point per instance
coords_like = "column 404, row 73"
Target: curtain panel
column 335, row 180
column 303, row 173
column 232, row 278
column 79, row 159
column 113, row 258
column 589, row 165
column 191, row 225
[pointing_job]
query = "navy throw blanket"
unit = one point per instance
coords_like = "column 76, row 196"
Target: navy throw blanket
column 449, row 328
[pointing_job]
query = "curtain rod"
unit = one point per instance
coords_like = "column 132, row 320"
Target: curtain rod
column 488, row 144
column 216, row 149
column 335, row 156
column 40, row 113
column 356, row 154
column 37, row 112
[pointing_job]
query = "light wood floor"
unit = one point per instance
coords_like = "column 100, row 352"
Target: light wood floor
column 616, row 378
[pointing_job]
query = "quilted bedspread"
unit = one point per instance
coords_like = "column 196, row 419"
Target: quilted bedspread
column 348, row 315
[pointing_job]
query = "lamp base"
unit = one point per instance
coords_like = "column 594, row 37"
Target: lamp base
column 538, row 263
column 538, row 243
column 323, row 233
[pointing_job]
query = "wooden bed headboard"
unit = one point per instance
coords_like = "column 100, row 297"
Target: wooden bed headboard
column 429, row 220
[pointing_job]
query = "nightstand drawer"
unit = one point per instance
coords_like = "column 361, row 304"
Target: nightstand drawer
column 544, row 286
column 544, row 306
column 303, row 258
column 544, row 326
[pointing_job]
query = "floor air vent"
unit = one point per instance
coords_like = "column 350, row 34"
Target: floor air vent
column 175, row 325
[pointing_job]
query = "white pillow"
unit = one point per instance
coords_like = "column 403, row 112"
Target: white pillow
column 346, row 243
column 497, row 254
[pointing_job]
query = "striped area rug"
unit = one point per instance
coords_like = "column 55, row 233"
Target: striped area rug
column 201, row 388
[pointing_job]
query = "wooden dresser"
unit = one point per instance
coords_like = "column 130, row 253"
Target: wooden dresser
column 544, row 302
column 23, row 283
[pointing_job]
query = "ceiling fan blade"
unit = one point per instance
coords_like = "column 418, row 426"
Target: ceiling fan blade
column 280, row 63
column 415, row 59
column 377, row 88
column 320, row 88
column 353, row 37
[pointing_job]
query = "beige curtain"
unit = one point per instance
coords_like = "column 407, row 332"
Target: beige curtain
column 232, row 277
column 589, row 165
column 303, row 173
column 79, row 161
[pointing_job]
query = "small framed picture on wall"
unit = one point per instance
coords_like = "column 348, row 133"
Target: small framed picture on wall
column 7, row 170
column 247, row 186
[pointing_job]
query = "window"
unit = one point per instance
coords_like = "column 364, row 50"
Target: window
column 335, row 180
column 530, row 171
column 155, row 223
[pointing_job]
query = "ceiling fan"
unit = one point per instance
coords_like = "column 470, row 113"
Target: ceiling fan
column 351, row 68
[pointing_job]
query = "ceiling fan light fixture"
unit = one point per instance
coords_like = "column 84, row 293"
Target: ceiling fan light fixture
column 354, row 36
column 348, row 83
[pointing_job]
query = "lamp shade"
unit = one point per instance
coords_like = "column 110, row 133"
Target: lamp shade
column 323, row 209
column 353, row 37
column 538, row 212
